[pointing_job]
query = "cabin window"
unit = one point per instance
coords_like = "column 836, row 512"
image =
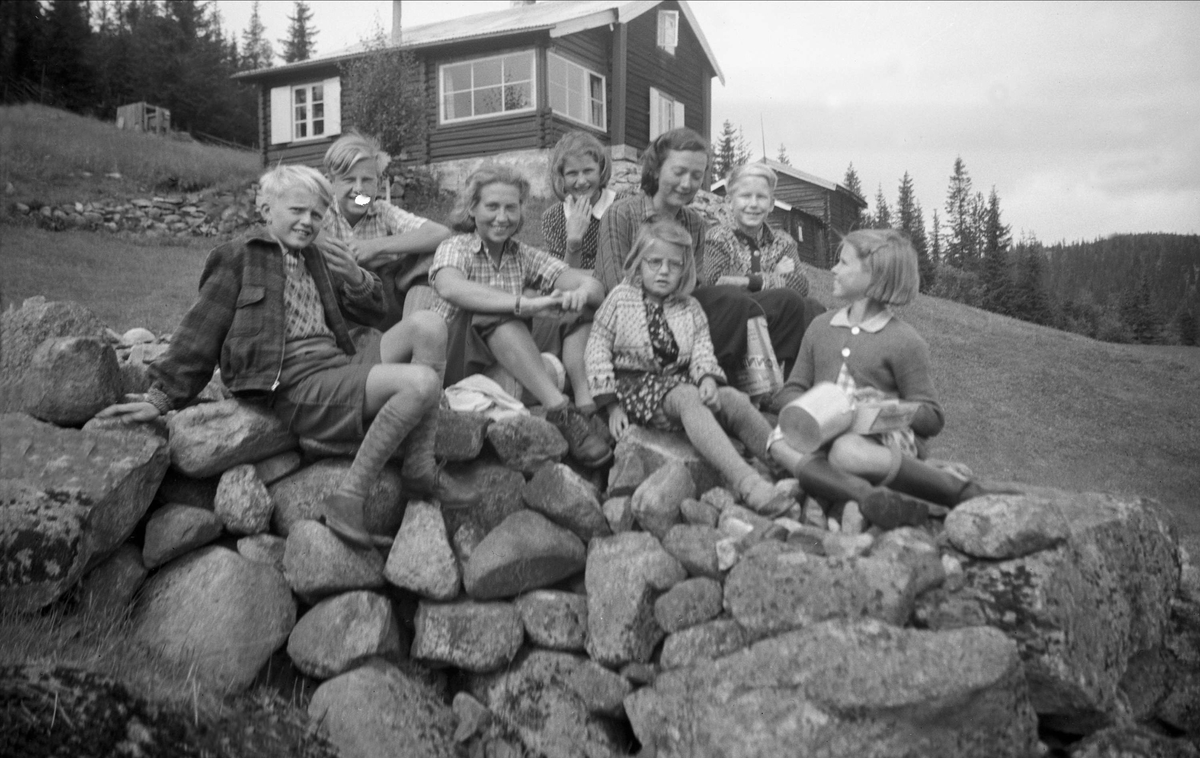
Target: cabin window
column 308, row 111
column 668, row 31
column 576, row 92
column 487, row 87
column 666, row 113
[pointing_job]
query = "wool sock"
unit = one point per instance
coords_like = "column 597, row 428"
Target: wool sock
column 398, row 416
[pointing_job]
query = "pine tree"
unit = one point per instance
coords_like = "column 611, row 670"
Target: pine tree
column 67, row 34
column 302, row 35
column 851, row 182
column 783, row 156
column 998, row 292
column 726, row 151
column 742, row 154
column 1138, row 312
column 883, row 214
column 960, row 241
column 906, row 206
column 1029, row 300
column 257, row 51
column 920, row 241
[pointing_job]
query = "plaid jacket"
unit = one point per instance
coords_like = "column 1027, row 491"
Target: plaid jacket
column 238, row 320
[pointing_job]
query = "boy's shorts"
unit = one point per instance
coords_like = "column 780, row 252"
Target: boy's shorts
column 322, row 393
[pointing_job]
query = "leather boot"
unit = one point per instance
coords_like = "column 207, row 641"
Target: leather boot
column 881, row 506
column 420, row 473
column 919, row 479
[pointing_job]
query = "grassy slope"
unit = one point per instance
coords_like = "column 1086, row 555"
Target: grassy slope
column 1031, row 404
column 51, row 156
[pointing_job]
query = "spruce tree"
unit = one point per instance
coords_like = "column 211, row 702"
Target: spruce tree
column 66, row 37
column 920, row 241
column 300, row 43
column 851, row 182
column 257, row 51
column 998, row 294
column 883, row 214
column 1030, row 301
column 726, row 151
column 783, row 156
column 960, row 240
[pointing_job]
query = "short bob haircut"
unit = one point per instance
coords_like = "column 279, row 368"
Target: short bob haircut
column 349, row 149
column 281, row 179
column 656, row 155
column 577, row 145
column 663, row 230
column 752, row 171
column 462, row 218
column 892, row 261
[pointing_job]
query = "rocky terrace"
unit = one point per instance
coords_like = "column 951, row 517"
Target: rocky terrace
column 641, row 610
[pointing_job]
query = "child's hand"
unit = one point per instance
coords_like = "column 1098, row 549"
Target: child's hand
column 137, row 411
column 341, row 260
column 618, row 421
column 572, row 301
column 578, row 211
column 708, row 393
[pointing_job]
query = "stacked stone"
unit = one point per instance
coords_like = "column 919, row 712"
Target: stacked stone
column 197, row 214
column 579, row 616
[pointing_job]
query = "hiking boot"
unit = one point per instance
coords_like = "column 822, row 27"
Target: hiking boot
column 584, row 445
column 343, row 515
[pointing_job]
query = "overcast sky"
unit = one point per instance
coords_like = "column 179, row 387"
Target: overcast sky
column 1084, row 116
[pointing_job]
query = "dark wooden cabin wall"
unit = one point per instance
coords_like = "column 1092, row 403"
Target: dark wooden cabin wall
column 683, row 76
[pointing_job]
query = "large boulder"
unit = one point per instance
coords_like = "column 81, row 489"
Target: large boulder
column 377, row 710
column 1080, row 611
column 178, row 529
column 471, row 636
column 643, row 451
column 656, row 502
column 567, row 499
column 554, row 619
column 500, row 490
column 216, row 609
column 773, row 591
column 113, row 583
column 22, row 332
column 537, row 697
column 421, row 558
column 71, row 379
column 298, row 497
column 526, row 443
column 69, row 499
column 625, row 574
column 242, row 501
column 317, row 563
column 526, row 552
column 858, row 689
column 209, row 438
column 342, row 630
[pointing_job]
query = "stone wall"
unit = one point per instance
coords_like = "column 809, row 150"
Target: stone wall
column 640, row 609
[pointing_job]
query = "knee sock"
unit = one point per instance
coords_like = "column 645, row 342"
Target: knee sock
column 711, row 441
column 391, row 425
column 743, row 420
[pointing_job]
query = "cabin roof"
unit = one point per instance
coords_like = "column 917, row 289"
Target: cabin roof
column 560, row 18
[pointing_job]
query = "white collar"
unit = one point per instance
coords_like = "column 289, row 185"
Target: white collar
column 871, row 325
column 606, row 199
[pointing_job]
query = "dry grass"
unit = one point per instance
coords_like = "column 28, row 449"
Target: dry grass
column 47, row 155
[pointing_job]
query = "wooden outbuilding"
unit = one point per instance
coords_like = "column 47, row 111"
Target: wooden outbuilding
column 515, row 80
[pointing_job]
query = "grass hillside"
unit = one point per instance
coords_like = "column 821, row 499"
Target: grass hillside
column 50, row 156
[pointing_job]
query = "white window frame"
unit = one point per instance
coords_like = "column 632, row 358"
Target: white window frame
column 588, row 74
column 662, row 104
column 533, row 88
column 668, row 31
column 283, row 111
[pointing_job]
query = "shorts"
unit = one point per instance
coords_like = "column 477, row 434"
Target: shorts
column 323, row 392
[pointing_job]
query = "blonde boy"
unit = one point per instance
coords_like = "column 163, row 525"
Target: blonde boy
column 272, row 314
column 391, row 242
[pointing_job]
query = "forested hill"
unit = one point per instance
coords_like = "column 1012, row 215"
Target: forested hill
column 1108, row 269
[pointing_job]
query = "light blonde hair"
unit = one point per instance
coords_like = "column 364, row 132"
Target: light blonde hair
column 280, row 179
column 462, row 219
column 892, row 261
column 669, row 231
column 349, row 149
column 572, row 145
column 753, row 170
